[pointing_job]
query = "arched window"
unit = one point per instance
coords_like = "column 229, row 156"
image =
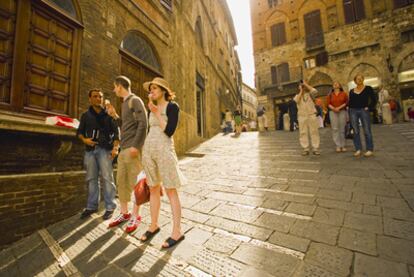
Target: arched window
column 42, row 76
column 139, row 61
column 199, row 33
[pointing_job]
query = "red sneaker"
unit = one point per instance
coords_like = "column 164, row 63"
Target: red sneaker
column 133, row 224
column 119, row 219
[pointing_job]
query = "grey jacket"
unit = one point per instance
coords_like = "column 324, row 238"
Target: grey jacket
column 134, row 123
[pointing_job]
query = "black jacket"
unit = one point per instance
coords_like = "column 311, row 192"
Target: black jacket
column 100, row 127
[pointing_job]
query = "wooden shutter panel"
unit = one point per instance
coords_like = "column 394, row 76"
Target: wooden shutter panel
column 7, row 33
column 359, row 9
column 322, row 58
column 273, row 72
column 313, row 29
column 283, row 71
column 400, row 3
column 274, row 34
column 349, row 12
column 281, row 33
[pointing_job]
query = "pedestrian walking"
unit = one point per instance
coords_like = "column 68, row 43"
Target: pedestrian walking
column 283, row 109
column 160, row 160
column 307, row 117
column 383, row 97
column 237, row 114
column 99, row 132
column 133, row 132
column 337, row 102
column 228, row 118
column 361, row 100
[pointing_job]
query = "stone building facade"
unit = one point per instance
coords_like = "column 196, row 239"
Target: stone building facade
column 326, row 40
column 249, row 102
column 52, row 52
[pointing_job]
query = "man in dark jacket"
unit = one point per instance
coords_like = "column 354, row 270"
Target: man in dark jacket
column 100, row 134
column 293, row 114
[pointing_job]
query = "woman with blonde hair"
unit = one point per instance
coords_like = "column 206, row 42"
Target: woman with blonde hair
column 337, row 103
column 160, row 160
column 361, row 100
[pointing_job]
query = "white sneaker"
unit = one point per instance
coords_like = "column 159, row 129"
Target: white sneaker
column 357, row 153
column 368, row 154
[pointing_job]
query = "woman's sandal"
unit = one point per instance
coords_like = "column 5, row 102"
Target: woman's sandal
column 149, row 235
column 171, row 242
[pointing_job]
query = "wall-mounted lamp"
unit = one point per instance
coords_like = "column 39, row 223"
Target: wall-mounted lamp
column 389, row 65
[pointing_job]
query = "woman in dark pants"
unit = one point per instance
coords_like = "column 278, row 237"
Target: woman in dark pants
column 361, row 100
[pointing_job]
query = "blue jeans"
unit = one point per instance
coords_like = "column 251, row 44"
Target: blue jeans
column 364, row 116
column 98, row 163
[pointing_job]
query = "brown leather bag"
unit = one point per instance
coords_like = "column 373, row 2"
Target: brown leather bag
column 142, row 192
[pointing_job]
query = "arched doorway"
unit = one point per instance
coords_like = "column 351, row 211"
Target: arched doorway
column 406, row 83
column 371, row 76
column 139, row 62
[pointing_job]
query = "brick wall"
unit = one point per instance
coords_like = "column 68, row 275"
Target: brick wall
column 32, row 201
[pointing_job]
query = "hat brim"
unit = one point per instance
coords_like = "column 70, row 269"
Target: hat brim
column 147, row 85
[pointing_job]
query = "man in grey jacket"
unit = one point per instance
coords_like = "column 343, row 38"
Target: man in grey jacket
column 133, row 132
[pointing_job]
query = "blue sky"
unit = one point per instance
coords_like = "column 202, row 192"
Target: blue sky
column 240, row 10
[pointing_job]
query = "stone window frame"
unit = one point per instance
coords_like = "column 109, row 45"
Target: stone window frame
column 354, row 11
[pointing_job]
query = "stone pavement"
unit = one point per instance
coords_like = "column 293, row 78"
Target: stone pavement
column 253, row 206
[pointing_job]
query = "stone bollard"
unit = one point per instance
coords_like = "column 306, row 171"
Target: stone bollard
column 386, row 114
column 286, row 122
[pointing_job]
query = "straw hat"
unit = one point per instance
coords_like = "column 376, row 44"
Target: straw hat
column 159, row 82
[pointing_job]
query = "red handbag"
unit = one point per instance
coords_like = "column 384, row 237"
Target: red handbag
column 142, row 192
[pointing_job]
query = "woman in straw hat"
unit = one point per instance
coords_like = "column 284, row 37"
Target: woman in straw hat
column 160, row 160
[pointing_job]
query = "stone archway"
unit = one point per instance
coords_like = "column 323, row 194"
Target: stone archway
column 371, row 74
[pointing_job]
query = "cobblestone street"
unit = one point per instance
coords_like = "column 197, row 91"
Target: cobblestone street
column 253, row 206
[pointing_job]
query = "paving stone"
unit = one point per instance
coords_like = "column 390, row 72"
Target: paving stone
column 289, row 241
column 275, row 204
column 363, row 198
column 329, row 216
column 358, row 241
column 303, row 189
column 240, row 228
column 301, row 209
column 409, row 197
column 370, row 266
column 217, row 264
column 276, row 222
column 399, row 228
column 364, row 222
column 411, row 268
column 253, row 272
column 241, row 199
column 281, row 187
column 112, row 271
column 205, row 206
column 405, row 214
column 223, row 244
column 340, row 205
column 394, row 249
column 188, row 200
column 315, row 231
column 372, row 210
column 308, row 270
column 236, row 213
column 266, row 259
column 195, row 216
column 394, row 203
column 198, row 236
column 331, row 258
column 334, row 195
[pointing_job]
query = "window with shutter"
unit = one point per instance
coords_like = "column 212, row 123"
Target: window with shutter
column 45, row 76
column 322, row 58
column 139, row 62
column 283, row 72
column 354, row 10
column 273, row 72
column 273, row 3
column 199, row 33
column 313, row 30
column 402, row 3
column 278, row 34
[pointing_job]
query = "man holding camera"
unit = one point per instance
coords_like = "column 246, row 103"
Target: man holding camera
column 100, row 134
column 307, row 117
